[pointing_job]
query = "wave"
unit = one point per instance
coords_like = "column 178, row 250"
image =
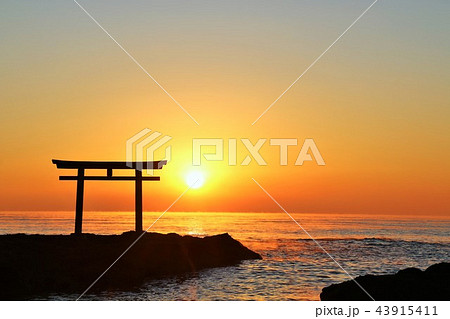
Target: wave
column 373, row 239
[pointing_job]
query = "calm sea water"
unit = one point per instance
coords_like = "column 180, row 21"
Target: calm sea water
column 293, row 266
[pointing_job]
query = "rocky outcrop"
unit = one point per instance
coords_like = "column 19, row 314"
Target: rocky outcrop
column 407, row 284
column 41, row 264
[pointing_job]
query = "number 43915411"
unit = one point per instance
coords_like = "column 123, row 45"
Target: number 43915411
column 406, row 310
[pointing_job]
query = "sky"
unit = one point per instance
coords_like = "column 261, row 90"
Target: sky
column 376, row 104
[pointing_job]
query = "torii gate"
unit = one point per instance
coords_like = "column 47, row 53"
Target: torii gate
column 81, row 166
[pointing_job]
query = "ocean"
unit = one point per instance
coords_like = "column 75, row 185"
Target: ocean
column 294, row 267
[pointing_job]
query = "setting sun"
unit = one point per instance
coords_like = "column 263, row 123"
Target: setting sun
column 195, row 179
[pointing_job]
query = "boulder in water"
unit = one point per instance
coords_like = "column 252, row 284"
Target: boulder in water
column 406, row 285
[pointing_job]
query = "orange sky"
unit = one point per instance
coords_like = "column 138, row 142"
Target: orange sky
column 376, row 104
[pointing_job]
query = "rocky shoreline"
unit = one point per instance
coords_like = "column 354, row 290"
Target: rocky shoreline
column 409, row 284
column 33, row 265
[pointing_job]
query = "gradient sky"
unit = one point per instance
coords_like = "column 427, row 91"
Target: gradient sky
column 377, row 104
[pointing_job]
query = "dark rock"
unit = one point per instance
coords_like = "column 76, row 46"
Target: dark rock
column 41, row 264
column 406, row 285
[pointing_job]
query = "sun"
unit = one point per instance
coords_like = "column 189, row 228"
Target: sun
column 195, row 179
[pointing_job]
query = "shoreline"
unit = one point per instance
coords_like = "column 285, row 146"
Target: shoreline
column 409, row 284
column 32, row 265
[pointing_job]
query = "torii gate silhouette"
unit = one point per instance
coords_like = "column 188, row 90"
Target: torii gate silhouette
column 81, row 166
